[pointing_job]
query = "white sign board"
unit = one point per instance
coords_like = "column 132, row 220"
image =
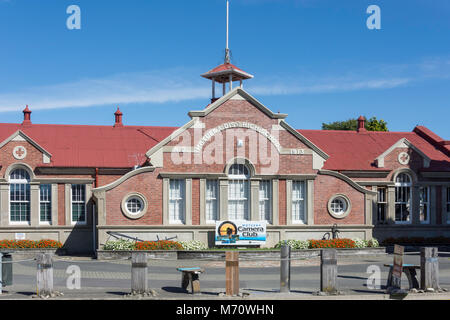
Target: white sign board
column 20, row 236
column 240, row 232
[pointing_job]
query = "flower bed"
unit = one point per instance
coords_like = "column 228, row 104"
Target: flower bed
column 334, row 243
column 158, row 245
column 128, row 245
column 30, row 244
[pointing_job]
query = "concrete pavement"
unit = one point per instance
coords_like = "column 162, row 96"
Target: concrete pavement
column 259, row 280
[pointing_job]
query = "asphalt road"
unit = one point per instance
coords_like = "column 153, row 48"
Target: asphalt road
column 256, row 277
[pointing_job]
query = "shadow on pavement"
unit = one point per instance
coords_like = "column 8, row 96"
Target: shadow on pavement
column 117, row 293
column 352, row 277
column 277, row 291
column 183, row 291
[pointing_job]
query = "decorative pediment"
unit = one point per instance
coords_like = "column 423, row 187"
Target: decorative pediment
column 20, row 152
column 403, row 157
column 156, row 153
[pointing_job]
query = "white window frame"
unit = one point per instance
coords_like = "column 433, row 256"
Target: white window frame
column 425, row 203
column 49, row 200
column 211, row 201
column 301, row 201
column 239, row 175
column 179, row 200
column 26, row 182
column 382, row 203
column 265, row 201
column 72, row 202
column 402, row 186
column 138, row 199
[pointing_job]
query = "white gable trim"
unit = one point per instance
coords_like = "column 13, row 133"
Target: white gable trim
column 402, row 143
column 171, row 137
column 303, row 139
column 20, row 136
column 237, row 94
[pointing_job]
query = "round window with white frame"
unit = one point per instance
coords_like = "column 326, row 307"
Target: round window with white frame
column 339, row 206
column 134, row 205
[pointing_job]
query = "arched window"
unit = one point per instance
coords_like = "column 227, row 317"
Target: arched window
column 403, row 189
column 19, row 196
column 238, row 192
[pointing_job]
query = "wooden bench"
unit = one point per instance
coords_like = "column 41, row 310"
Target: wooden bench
column 191, row 275
column 409, row 270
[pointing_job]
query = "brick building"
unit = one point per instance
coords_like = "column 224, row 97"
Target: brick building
column 233, row 160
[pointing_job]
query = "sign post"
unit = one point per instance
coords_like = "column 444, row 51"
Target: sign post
column 397, row 268
column 232, row 273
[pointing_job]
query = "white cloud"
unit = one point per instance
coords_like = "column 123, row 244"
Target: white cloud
column 183, row 84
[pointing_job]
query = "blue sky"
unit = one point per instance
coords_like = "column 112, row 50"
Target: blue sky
column 315, row 60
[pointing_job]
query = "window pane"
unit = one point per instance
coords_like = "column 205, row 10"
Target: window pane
column 176, row 200
column 265, row 200
column 212, row 213
column 298, row 201
column 45, row 196
column 134, row 205
column 382, row 204
column 19, row 195
column 78, row 202
column 238, row 199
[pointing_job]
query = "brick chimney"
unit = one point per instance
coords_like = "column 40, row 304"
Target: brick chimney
column 118, row 114
column 26, row 116
column 361, row 124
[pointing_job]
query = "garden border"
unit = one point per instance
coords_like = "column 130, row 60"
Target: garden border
column 219, row 255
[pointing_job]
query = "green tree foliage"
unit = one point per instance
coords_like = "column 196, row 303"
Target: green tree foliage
column 373, row 124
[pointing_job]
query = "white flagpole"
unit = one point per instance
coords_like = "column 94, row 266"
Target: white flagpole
column 227, row 50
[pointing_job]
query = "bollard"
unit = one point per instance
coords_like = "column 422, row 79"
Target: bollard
column 139, row 273
column 328, row 271
column 44, row 275
column 429, row 268
column 1, row 273
column 285, row 269
column 232, row 273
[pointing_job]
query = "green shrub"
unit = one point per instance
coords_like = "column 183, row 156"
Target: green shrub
column 373, row 243
column 193, row 245
column 294, row 244
column 117, row 245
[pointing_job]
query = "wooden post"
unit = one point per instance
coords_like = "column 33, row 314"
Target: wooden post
column 429, row 268
column 44, row 274
column 139, row 275
column 285, row 269
column 328, row 271
column 232, row 273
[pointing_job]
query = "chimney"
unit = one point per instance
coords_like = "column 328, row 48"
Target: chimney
column 118, row 114
column 26, row 116
column 361, row 124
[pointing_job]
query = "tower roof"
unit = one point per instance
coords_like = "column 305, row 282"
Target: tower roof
column 222, row 73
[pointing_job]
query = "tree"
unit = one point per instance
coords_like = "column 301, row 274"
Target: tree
column 373, row 124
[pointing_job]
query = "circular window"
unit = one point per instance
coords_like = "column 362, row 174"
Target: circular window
column 339, row 206
column 134, row 205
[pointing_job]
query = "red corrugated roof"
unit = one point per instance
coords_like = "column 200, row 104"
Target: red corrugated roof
column 224, row 67
column 350, row 150
column 91, row 146
column 109, row 147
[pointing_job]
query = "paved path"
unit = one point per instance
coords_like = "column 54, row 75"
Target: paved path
column 260, row 279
